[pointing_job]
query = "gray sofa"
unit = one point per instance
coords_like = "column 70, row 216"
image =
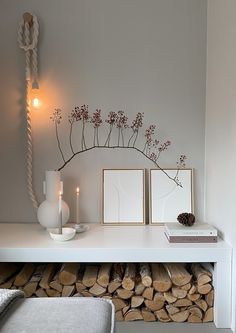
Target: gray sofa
column 59, row 315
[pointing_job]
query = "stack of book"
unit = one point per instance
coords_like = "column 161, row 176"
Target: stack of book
column 198, row 233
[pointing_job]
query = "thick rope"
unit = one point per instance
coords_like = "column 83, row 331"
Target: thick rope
column 29, row 48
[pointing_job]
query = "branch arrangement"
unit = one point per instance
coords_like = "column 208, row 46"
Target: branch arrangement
column 152, row 148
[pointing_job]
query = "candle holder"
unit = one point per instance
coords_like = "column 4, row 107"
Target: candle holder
column 65, row 235
column 81, row 227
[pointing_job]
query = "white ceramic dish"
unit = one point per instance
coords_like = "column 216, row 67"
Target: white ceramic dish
column 67, row 234
column 81, row 228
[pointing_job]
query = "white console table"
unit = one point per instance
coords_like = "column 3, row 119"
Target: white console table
column 29, row 242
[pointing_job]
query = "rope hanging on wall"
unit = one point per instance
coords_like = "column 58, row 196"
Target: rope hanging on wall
column 28, row 33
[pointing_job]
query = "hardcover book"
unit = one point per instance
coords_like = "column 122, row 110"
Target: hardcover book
column 191, row 239
column 198, row 229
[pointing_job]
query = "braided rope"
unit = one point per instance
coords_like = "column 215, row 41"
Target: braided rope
column 24, row 43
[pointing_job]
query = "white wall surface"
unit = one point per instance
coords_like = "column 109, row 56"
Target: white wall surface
column 136, row 55
column 221, row 123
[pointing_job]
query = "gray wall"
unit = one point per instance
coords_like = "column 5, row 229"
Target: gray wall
column 136, row 55
column 221, row 125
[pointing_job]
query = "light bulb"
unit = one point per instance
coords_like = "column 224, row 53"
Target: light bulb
column 36, row 103
column 35, row 95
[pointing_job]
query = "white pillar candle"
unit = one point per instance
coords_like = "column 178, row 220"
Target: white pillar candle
column 60, row 212
column 77, row 205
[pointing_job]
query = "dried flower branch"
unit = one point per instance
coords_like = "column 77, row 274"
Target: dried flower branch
column 152, row 147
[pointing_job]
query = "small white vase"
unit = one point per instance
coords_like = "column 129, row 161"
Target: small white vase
column 48, row 211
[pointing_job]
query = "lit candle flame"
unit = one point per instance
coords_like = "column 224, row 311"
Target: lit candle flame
column 35, row 102
column 77, row 190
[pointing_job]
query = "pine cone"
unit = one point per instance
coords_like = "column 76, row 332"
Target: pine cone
column 187, row 219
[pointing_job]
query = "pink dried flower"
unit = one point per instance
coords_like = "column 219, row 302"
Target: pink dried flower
column 153, row 157
column 111, row 118
column 149, row 133
column 137, row 122
column 96, row 119
column 164, row 146
column 121, row 120
column 80, row 113
column 181, row 164
column 56, row 116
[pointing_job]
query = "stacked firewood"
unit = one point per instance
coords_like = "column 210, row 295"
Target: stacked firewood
column 150, row 292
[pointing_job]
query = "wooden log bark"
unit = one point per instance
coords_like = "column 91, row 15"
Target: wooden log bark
column 68, row 291
column 24, row 275
column 139, row 288
column 128, row 282
column 162, row 315
column 178, row 274
column 124, row 293
column 104, row 274
column 97, row 290
column 180, row 317
column 210, row 298
column 90, row 275
column 119, row 315
column 7, row 270
column 136, row 301
column 31, row 286
column 148, row 293
column 68, row 273
column 48, row 273
column 209, row 315
column 145, row 273
column 133, row 314
column 201, row 275
column 160, row 277
column 117, row 277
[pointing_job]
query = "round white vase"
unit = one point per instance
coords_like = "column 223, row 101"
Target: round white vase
column 48, row 211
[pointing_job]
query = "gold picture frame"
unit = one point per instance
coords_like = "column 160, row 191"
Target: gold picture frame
column 114, row 206
column 170, row 210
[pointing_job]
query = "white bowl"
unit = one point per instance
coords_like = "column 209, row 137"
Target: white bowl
column 67, row 234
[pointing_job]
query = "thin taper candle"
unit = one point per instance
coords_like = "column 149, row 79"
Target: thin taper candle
column 77, row 205
column 60, row 212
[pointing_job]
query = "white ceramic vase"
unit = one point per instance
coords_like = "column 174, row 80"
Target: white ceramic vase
column 48, row 211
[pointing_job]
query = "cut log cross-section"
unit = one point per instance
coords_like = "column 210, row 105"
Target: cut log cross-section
column 145, row 274
column 48, row 273
column 201, row 275
column 117, row 277
column 104, row 274
column 160, row 277
column 68, row 273
column 178, row 274
column 90, row 275
column 31, row 286
column 128, row 282
column 24, row 275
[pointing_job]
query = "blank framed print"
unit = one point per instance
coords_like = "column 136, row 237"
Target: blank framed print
column 123, row 197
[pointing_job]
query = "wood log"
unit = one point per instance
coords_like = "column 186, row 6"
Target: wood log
column 128, row 282
column 186, row 287
column 124, row 293
column 148, row 293
column 139, row 288
column 210, row 298
column 48, row 273
column 80, row 286
column 56, row 285
column 204, row 288
column 192, row 290
column 68, row 291
column 182, row 302
column 86, row 293
column 172, row 309
column 24, row 275
column 7, row 270
column 31, row 286
column 104, row 274
column 117, row 277
column 97, row 290
column 180, row 317
column 41, row 293
column 193, row 297
column 160, row 277
column 119, row 315
column 125, row 309
column 8, row 283
column 209, row 315
column 202, row 304
column 162, row 316
column 194, row 310
column 119, row 303
column 179, row 293
column 148, row 315
column 53, row 293
column 90, row 275
column 159, row 297
column 136, row 301
column 133, row 314
column 169, row 297
column 194, row 319
column 106, row 296
column 77, row 295
column 201, row 275
column 154, row 305
column 68, row 273
column 178, row 274
column 145, row 274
